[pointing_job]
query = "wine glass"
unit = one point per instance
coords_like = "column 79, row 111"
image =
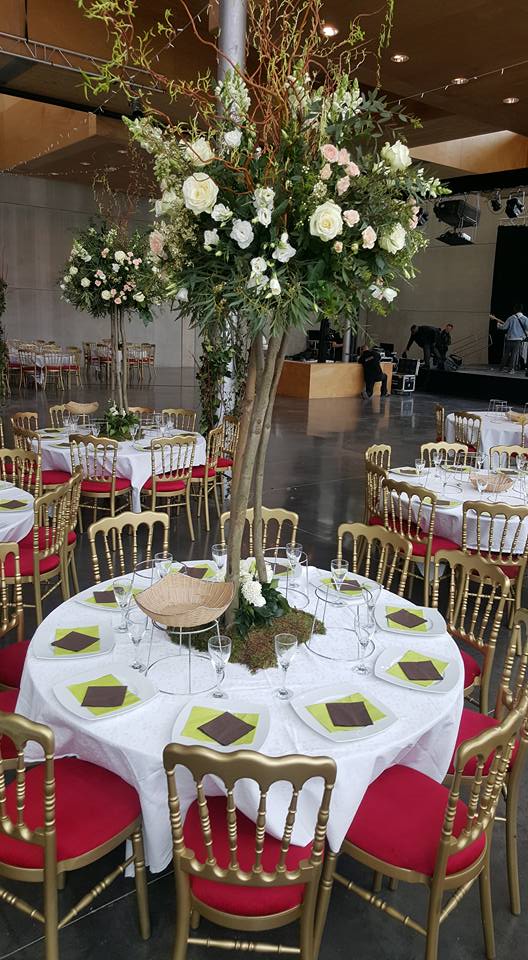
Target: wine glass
column 286, row 645
column 419, row 466
column 122, row 592
column 219, row 651
column 293, row 553
column 95, row 428
column 136, row 622
column 479, row 461
column 365, row 631
column 134, row 431
column 436, row 457
column 219, row 555
column 339, row 570
column 158, row 420
column 163, row 563
column 372, row 595
column 481, row 481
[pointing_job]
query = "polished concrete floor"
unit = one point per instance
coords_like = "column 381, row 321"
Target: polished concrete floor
column 315, row 466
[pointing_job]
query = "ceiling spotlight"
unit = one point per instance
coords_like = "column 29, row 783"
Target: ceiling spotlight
column 329, row 30
column 459, row 81
column 514, row 207
column 495, row 202
column 511, row 100
column 399, row 58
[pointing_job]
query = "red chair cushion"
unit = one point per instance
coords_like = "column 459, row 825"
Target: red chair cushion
column 104, row 486
column 419, row 547
column 55, row 477
column 471, row 724
column 400, row 821
column 8, row 699
column 199, row 472
column 243, row 901
column 8, row 467
column 26, row 563
column 12, row 659
column 472, row 668
column 44, row 540
column 92, row 805
column 375, row 521
column 224, row 462
column 164, row 484
column 510, row 570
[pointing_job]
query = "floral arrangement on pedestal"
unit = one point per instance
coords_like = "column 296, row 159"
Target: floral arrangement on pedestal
column 110, row 273
column 286, row 197
column 118, row 424
column 4, row 355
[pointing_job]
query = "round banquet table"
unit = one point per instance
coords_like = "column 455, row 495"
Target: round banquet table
column 458, row 489
column 131, row 745
column 496, row 430
column 133, row 462
column 15, row 524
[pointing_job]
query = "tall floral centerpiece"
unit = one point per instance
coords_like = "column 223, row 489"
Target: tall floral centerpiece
column 109, row 273
column 289, row 196
column 4, row 355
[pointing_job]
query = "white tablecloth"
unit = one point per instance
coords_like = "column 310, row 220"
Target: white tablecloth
column 15, row 524
column 496, row 430
column 131, row 745
column 132, row 463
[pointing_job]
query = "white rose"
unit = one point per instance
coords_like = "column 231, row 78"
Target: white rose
column 211, row 238
column 221, row 213
column 199, row 193
column 198, row 152
column 232, row 138
column 263, row 197
column 106, row 294
column 275, row 286
column 389, row 294
column 264, row 216
column 74, row 271
column 182, row 295
column 242, row 233
column 258, row 265
column 168, row 199
column 326, row 221
column 115, row 267
column 139, row 296
column 392, row 240
column 397, row 155
column 119, row 256
column 85, row 282
column 284, row 250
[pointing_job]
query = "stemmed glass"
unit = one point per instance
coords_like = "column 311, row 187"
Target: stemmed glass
column 122, row 592
column 219, row 651
column 419, row 466
column 436, row 457
column 136, row 622
column 339, row 570
column 286, row 645
column 481, row 481
column 219, row 555
column 293, row 553
column 134, row 431
column 163, row 563
column 95, row 428
column 158, row 420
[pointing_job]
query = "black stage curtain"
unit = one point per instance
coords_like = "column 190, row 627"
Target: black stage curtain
column 509, row 282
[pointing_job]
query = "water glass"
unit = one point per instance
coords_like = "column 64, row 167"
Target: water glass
column 293, row 553
column 163, row 563
column 479, row 461
column 95, row 428
column 339, row 570
column 136, row 622
column 286, row 645
column 419, row 466
column 219, row 651
column 122, row 592
column 219, row 555
column 436, row 457
column 158, row 420
column 134, row 431
column 481, row 481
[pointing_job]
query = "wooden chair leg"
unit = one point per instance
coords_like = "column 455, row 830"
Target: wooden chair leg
column 487, row 910
column 141, row 884
column 512, row 858
column 206, row 501
column 433, row 924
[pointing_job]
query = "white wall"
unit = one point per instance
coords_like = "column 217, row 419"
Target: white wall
column 38, row 220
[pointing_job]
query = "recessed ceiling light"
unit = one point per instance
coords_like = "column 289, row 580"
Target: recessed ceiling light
column 85, row 163
column 329, row 30
column 399, row 57
column 53, row 174
column 122, row 151
column 511, row 100
column 459, row 81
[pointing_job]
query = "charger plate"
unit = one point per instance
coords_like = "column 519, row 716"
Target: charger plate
column 337, row 692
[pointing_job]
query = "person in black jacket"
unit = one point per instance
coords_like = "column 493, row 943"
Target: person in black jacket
column 370, row 361
column 426, row 338
column 444, row 342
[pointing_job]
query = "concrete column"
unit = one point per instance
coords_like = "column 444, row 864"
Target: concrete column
column 347, row 340
column 232, row 37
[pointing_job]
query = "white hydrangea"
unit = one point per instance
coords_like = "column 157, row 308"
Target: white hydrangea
column 284, row 250
column 252, row 592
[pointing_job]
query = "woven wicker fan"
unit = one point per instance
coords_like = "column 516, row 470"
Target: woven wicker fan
column 81, row 408
column 497, row 483
column 180, row 601
column 518, row 417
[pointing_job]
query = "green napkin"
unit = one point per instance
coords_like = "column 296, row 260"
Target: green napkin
column 79, row 692
column 396, row 670
column 109, row 606
column 420, row 628
column 201, row 715
column 328, row 582
column 320, row 712
column 89, row 631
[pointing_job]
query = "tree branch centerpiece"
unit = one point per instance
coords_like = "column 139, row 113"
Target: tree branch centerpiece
column 110, row 273
column 289, row 196
column 4, row 354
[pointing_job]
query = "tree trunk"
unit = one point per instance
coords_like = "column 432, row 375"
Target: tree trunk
column 119, row 371
column 124, row 360
column 245, row 418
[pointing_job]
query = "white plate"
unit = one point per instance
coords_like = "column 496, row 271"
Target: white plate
column 232, row 706
column 41, row 646
column 388, row 658
column 84, row 597
column 364, row 581
column 436, row 625
column 136, row 682
column 336, row 691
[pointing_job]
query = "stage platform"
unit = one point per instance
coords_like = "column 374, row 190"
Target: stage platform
column 318, row 381
column 478, row 383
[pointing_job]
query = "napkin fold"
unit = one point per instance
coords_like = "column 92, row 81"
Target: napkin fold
column 226, row 728
column 414, row 658
column 405, row 618
column 200, row 717
column 13, row 504
column 79, row 691
column 68, row 642
column 363, row 713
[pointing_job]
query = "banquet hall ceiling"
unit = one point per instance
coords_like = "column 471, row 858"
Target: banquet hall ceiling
column 455, row 38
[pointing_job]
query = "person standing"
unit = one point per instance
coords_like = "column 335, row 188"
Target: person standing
column 426, row 338
column 516, row 329
column 443, row 344
column 370, row 361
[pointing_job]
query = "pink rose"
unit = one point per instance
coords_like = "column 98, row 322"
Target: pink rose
column 369, row 237
column 136, row 261
column 105, row 252
column 330, row 153
column 342, row 185
column 156, row 243
column 97, row 283
column 338, row 246
column 352, row 169
column 113, row 291
column 343, row 157
column 326, row 172
column 351, row 217
column 117, row 300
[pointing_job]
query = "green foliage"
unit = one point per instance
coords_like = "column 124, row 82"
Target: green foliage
column 118, row 424
column 213, row 367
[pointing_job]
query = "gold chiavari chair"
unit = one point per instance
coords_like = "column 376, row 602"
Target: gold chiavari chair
column 380, row 454
column 498, row 533
column 74, row 490
column 283, row 523
column 229, row 444
column 170, row 480
column 450, row 454
column 22, row 467
column 148, row 357
column 134, row 362
column 411, row 828
column 31, row 441
column 468, row 428
column 183, row 418
column 72, row 368
column 478, row 593
column 101, row 488
column 506, row 457
column 53, row 366
column 375, row 477
column 379, row 554
column 411, row 511
column 440, row 422
column 512, row 687
column 235, row 874
column 40, row 840
column 2, row 439
column 28, row 420
column 142, row 413
column 27, row 358
column 122, row 559
column 206, row 477
column 13, row 655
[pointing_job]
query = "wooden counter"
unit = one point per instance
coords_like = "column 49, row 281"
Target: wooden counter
column 317, row 381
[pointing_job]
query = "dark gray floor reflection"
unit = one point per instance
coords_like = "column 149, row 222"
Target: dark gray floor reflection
column 315, row 466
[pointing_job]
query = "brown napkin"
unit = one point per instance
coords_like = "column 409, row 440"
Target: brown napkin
column 406, row 618
column 197, row 572
column 419, row 670
column 349, row 714
column 226, row 728
column 104, row 596
column 104, row 696
column 352, row 586
column 74, row 641
column 279, row 567
column 13, row 504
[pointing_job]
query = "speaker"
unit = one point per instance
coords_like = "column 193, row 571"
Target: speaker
column 457, row 213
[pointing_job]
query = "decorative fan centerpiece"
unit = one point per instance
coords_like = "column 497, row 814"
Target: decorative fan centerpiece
column 496, row 483
column 180, row 601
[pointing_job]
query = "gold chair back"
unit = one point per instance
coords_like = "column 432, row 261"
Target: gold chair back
column 440, row 422
column 214, row 447
column 379, row 554
column 275, row 521
column 231, row 427
column 126, row 529
column 97, row 457
column 184, row 419
column 411, row 511
column 467, row 429
column 27, row 419
column 450, row 453
column 143, row 413
column 506, row 457
column 22, row 467
column 380, row 454
column 2, row 440
column 375, row 477
column 56, row 415
column 11, row 609
column 496, row 531
column 172, row 458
